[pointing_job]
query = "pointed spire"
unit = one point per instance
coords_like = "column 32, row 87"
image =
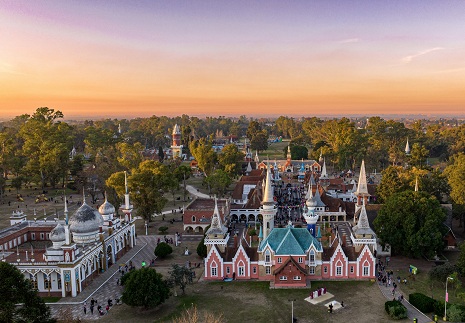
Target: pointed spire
column 362, row 188
column 407, row 148
column 289, row 152
column 260, row 233
column 324, row 173
column 125, row 182
column 416, row 184
column 363, row 226
column 217, row 226
column 310, row 188
column 66, row 211
column 83, row 196
column 268, row 198
column 257, row 160
column 249, row 168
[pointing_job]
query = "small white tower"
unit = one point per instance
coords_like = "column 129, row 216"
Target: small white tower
column 126, row 208
column 268, row 209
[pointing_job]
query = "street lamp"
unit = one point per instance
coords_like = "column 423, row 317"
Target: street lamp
column 146, row 233
column 292, row 309
column 447, row 298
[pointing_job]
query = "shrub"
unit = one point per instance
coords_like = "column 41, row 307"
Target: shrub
column 163, row 230
column 396, row 310
column 456, row 313
column 424, row 303
column 163, row 249
column 441, row 272
column 202, row 249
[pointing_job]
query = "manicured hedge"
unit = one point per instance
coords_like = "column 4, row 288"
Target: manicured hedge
column 424, row 303
column 396, row 310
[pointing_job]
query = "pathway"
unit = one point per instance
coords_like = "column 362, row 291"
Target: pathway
column 412, row 312
column 105, row 285
column 191, row 189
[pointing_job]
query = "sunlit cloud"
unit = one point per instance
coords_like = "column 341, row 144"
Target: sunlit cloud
column 410, row 58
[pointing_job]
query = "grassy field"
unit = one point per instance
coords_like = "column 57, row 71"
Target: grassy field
column 275, row 151
column 255, row 302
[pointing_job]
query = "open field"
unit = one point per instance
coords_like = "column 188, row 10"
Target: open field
column 255, row 302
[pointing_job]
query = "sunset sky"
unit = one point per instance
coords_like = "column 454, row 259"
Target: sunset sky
column 141, row 58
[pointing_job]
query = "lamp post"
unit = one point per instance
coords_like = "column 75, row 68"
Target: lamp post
column 447, row 298
column 146, row 233
column 292, row 309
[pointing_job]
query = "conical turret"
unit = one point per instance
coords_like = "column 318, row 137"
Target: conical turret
column 407, row 148
column 268, row 210
column 362, row 187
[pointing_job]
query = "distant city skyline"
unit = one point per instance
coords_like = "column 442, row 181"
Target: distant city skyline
column 255, row 58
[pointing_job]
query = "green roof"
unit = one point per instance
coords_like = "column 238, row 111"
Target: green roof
column 290, row 241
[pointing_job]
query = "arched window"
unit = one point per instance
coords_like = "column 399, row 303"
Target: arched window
column 339, row 268
column 241, row 269
column 214, row 270
column 312, row 256
column 193, row 218
column 366, row 268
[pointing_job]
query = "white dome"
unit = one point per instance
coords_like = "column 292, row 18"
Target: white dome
column 58, row 233
column 106, row 208
column 85, row 220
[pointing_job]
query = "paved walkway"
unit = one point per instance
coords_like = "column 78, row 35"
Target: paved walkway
column 412, row 312
column 191, row 189
column 105, row 285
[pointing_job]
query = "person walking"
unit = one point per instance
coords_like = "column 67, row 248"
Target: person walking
column 85, row 308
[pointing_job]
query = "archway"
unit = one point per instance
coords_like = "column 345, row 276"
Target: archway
column 109, row 256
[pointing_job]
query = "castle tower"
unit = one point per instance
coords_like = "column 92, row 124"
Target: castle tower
column 362, row 188
column 324, row 178
column 362, row 230
column 176, row 147
column 268, row 206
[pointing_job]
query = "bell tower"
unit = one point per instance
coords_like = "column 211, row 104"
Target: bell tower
column 176, row 147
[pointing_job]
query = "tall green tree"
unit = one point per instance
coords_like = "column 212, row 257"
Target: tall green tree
column 412, row 223
column 203, row 152
column 230, row 160
column 145, row 287
column 456, row 177
column 147, row 185
column 47, row 143
column 130, row 155
column 259, row 141
column 15, row 289
column 394, row 179
column 180, row 276
column 218, row 182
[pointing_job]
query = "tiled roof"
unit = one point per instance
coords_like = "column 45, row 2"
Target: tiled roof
column 290, row 241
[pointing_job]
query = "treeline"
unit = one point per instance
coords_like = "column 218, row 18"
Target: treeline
column 35, row 148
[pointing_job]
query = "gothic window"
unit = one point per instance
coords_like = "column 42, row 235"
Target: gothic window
column 267, row 256
column 46, row 282
column 280, row 260
column 366, row 268
column 59, row 280
column 214, row 270
column 193, row 218
column 33, row 280
column 339, row 268
column 300, row 260
column 33, row 236
column 42, row 236
column 268, row 270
